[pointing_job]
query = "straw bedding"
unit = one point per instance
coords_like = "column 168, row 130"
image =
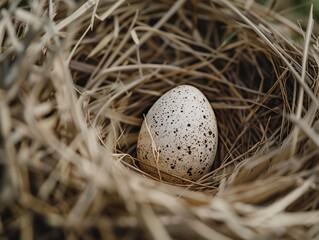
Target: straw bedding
column 76, row 79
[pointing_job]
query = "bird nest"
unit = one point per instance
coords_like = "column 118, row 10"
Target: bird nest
column 77, row 79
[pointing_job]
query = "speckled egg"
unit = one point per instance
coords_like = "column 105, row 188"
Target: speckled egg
column 178, row 136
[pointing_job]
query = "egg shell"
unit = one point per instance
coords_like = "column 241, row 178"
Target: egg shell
column 178, row 136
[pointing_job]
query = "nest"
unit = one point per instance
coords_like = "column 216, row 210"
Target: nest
column 76, row 79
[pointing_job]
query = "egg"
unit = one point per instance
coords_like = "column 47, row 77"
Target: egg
column 178, row 136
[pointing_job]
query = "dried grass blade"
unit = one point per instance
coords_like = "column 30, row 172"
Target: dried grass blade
column 76, row 15
column 110, row 10
column 293, row 219
column 303, row 75
column 155, row 228
column 306, row 128
column 283, row 203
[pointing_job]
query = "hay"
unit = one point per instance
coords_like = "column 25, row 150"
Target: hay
column 76, row 79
